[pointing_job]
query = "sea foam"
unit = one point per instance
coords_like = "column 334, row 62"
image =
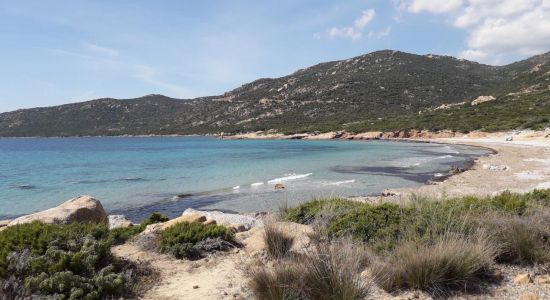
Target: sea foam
column 289, row 177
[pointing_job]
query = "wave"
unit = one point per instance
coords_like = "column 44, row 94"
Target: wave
column 131, row 179
column 257, row 184
column 237, row 187
column 289, row 177
column 444, row 156
column 342, row 182
column 449, row 149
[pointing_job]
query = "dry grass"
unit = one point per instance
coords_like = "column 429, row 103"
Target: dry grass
column 278, row 243
column 451, row 262
column 324, row 271
column 522, row 239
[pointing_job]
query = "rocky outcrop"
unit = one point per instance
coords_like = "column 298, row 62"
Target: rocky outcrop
column 84, row 209
column 235, row 221
column 118, row 221
column 482, row 99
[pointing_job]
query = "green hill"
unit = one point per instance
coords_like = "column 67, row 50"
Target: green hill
column 384, row 90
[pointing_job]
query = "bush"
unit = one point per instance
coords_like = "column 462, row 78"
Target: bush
column 451, row 262
column 522, row 240
column 307, row 212
column 277, row 243
column 327, row 271
column 188, row 240
column 153, row 219
column 65, row 261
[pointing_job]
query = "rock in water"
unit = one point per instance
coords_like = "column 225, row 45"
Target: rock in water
column 118, row 221
column 279, row 186
column 84, row 209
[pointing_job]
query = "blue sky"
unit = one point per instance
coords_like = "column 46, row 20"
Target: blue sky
column 55, row 52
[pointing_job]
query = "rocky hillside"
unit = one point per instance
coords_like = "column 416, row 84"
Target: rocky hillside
column 380, row 90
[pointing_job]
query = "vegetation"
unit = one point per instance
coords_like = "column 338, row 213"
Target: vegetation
column 384, row 90
column 62, row 262
column 435, row 245
column 277, row 242
column 192, row 240
column 452, row 261
column 326, row 271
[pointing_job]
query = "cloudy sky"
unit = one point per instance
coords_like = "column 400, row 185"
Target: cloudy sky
column 54, row 52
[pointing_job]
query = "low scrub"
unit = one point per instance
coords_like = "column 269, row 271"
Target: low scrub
column 193, row 240
column 277, row 242
column 324, row 271
column 451, row 262
column 62, row 262
column 522, row 239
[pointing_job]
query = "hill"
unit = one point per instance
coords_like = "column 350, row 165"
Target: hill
column 383, row 90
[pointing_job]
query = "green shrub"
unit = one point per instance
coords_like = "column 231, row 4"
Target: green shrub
column 71, row 261
column 451, row 262
column 153, row 219
column 307, row 212
column 182, row 239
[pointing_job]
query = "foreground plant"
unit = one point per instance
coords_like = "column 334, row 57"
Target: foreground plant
column 328, row 270
column 192, row 240
column 277, row 242
column 452, row 261
column 63, row 262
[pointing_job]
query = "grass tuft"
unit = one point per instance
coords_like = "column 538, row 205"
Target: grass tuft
column 278, row 243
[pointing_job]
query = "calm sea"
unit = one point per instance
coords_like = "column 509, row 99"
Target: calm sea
column 136, row 176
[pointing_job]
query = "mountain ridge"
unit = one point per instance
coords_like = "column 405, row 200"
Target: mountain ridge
column 366, row 89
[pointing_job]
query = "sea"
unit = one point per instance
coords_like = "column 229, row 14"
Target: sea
column 139, row 175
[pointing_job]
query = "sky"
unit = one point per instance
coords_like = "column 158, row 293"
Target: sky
column 63, row 51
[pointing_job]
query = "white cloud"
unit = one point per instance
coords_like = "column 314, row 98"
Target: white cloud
column 101, row 50
column 434, row 6
column 498, row 30
column 380, row 34
column 356, row 31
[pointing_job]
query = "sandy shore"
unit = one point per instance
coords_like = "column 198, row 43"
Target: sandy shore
column 520, row 165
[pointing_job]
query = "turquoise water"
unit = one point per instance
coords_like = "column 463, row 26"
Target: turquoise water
column 139, row 175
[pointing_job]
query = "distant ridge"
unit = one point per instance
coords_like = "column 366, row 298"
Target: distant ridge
column 383, row 90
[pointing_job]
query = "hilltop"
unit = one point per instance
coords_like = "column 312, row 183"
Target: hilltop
column 383, row 90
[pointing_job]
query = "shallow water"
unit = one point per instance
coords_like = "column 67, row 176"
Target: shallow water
column 139, row 175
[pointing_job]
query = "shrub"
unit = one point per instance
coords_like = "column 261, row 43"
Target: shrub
column 327, row 271
column 184, row 239
column 153, row 219
column 307, row 212
column 522, row 240
column 451, row 262
column 65, row 261
column 277, row 242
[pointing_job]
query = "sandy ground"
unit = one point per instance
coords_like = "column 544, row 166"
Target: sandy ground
column 520, row 165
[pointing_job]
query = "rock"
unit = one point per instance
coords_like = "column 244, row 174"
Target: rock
column 482, row 99
column 523, row 278
column 194, row 217
column 227, row 219
column 388, row 193
column 5, row 223
column 509, row 139
column 195, row 287
column 496, row 168
column 84, row 209
column 542, row 279
column 237, row 228
column 279, row 186
column 210, row 222
column 118, row 221
column 529, row 296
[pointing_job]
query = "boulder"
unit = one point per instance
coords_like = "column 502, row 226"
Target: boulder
column 523, row 278
column 279, row 186
column 118, row 221
column 194, row 217
column 83, row 209
column 237, row 221
column 482, row 99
